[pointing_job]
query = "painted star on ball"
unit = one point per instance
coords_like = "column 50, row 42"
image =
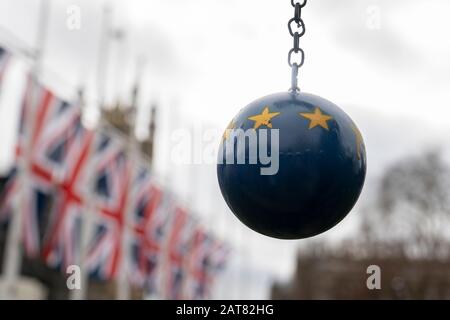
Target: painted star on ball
column 317, row 119
column 264, row 118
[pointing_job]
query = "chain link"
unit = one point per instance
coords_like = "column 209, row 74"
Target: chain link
column 297, row 29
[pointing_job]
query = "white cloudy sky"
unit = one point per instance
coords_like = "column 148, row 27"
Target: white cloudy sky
column 205, row 59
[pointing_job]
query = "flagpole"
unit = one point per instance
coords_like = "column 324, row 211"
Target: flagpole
column 13, row 254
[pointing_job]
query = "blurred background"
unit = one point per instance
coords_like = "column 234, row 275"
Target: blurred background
column 160, row 81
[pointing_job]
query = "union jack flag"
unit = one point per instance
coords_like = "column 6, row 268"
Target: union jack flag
column 179, row 244
column 37, row 200
column 59, row 156
column 49, row 127
column 61, row 248
column 147, row 199
column 199, row 280
column 69, row 166
column 218, row 258
column 53, row 132
column 208, row 259
column 111, row 189
column 155, row 236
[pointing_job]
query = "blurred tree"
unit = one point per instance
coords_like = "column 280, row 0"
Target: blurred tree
column 412, row 209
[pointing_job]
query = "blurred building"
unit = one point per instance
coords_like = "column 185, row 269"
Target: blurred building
column 122, row 118
column 329, row 276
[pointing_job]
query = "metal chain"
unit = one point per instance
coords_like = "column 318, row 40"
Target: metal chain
column 296, row 53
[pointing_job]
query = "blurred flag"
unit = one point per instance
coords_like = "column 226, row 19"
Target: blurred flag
column 112, row 184
column 37, row 199
column 218, row 258
column 199, row 281
column 154, row 245
column 69, row 167
column 207, row 259
column 59, row 156
column 148, row 197
column 52, row 129
column 179, row 243
column 62, row 245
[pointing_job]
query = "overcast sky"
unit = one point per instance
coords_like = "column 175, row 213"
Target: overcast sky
column 386, row 63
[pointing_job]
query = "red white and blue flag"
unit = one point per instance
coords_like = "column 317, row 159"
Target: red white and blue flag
column 155, row 236
column 199, row 280
column 112, row 170
column 61, row 248
column 180, row 240
column 48, row 129
column 70, row 169
column 37, row 198
column 218, row 258
column 58, row 159
column 147, row 197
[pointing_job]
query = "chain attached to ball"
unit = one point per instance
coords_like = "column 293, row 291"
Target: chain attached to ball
column 296, row 50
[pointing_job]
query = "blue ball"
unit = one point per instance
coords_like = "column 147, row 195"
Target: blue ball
column 309, row 169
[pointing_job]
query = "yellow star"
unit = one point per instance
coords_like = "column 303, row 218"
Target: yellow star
column 227, row 132
column 264, row 118
column 359, row 140
column 317, row 119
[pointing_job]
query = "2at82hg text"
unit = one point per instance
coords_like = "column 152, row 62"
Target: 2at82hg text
column 226, row 309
